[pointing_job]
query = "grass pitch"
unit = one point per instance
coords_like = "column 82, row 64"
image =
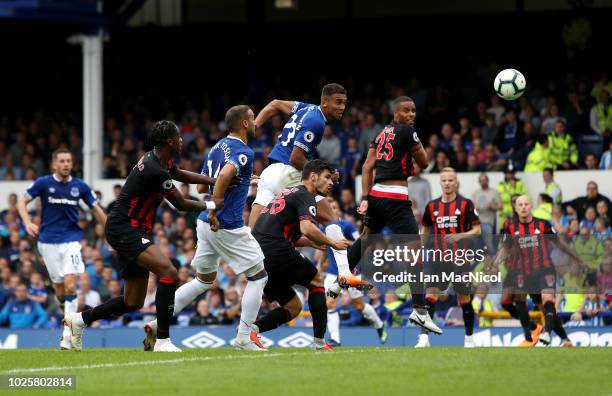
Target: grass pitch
column 346, row 371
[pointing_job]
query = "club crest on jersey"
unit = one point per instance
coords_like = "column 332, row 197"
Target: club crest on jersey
column 74, row 191
column 312, row 210
column 309, row 136
column 167, row 184
column 242, row 158
column 415, row 137
column 51, row 190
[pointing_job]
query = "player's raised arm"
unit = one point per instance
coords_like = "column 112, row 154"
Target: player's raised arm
column 185, row 176
column 272, row 108
column 188, row 205
column 367, row 175
column 312, row 232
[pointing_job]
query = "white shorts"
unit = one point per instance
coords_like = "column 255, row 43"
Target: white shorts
column 274, row 179
column 330, row 279
column 237, row 247
column 62, row 259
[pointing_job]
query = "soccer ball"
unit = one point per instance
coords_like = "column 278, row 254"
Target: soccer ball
column 509, row 84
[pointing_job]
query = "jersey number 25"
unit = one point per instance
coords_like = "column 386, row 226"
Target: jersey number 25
column 384, row 150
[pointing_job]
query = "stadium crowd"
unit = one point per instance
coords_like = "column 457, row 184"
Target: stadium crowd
column 541, row 132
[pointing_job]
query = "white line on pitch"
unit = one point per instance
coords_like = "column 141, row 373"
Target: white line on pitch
column 256, row 355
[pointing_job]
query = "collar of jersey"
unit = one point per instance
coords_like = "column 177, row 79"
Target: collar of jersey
column 322, row 115
column 59, row 181
column 235, row 138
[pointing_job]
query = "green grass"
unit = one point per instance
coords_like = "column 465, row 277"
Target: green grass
column 346, row 371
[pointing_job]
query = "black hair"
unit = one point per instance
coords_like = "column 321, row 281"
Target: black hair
column 234, row 117
column 331, row 89
column 316, row 166
column 552, row 172
column 162, row 131
column 401, row 99
column 546, row 198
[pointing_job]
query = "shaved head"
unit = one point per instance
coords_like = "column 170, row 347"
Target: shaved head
column 523, row 208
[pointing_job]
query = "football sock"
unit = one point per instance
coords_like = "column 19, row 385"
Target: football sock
column 334, row 232
column 71, row 304
column 272, row 320
column 549, row 316
column 431, row 310
column 164, row 303
column 468, row 317
column 318, row 311
column 189, row 292
column 523, row 313
column 354, row 255
column 251, row 302
column 333, row 325
column 371, row 316
column 559, row 329
column 114, row 307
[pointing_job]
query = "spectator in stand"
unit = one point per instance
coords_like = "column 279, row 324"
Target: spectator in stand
column 602, row 210
column 349, row 315
column 482, row 304
column 351, row 162
column 606, row 158
column 37, row 291
column 544, row 208
column 589, row 219
column 494, row 161
column 510, row 135
column 604, row 279
column 489, row 130
column 419, row 189
column 563, row 151
column 590, row 161
column 560, row 222
column 90, row 297
column 442, row 161
column 551, row 187
column 570, row 296
column 539, row 157
column 347, row 202
column 589, row 249
column 202, row 316
column 496, row 109
column 23, row 313
column 487, row 202
column 551, row 118
column 591, row 199
column 601, row 114
column 602, row 229
column 369, row 131
column 507, row 188
column 446, row 137
column 330, row 149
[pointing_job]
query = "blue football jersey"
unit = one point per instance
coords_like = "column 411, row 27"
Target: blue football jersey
column 60, row 207
column 304, row 130
column 230, row 150
column 351, row 233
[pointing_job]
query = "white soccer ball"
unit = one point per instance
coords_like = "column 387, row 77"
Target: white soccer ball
column 509, row 84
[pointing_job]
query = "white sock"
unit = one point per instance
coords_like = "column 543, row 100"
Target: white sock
column 251, row 302
column 333, row 325
column 70, row 307
column 78, row 321
column 370, row 314
column 334, row 232
column 185, row 294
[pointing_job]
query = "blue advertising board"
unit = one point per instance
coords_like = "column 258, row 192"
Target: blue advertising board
column 293, row 337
